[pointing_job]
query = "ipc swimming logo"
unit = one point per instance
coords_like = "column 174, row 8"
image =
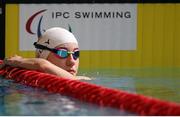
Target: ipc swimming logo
column 31, row 19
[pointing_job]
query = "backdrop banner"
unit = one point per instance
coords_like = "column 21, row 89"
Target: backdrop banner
column 96, row 26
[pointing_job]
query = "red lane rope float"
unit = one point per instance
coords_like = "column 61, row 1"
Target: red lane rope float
column 92, row 93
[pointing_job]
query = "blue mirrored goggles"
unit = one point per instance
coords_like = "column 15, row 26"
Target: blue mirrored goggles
column 62, row 53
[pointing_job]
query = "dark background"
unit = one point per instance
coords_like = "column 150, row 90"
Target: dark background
column 2, row 30
column 4, row 2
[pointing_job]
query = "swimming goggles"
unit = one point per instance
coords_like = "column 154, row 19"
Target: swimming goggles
column 60, row 52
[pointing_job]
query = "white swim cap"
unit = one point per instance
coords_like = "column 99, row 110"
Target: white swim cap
column 52, row 38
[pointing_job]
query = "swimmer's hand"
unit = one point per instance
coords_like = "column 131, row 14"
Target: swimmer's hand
column 6, row 61
column 83, row 78
column 12, row 61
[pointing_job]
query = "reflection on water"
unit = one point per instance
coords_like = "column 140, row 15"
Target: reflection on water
column 17, row 99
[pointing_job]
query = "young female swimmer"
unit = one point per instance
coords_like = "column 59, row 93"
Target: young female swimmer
column 57, row 52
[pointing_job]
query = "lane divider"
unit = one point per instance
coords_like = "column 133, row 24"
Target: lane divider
column 92, row 93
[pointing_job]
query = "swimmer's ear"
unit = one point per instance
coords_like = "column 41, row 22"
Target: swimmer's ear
column 70, row 29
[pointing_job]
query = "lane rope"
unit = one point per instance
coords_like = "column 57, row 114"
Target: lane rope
column 92, row 93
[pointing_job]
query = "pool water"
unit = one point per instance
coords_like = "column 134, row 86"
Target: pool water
column 161, row 83
column 17, row 99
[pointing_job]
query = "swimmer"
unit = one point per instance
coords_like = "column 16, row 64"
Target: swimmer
column 57, row 53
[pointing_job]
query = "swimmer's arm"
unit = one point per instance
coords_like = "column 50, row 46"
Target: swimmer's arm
column 38, row 64
column 47, row 67
column 41, row 65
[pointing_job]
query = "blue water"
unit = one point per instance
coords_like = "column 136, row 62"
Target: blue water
column 17, row 100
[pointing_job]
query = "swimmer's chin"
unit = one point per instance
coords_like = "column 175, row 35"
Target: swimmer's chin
column 73, row 72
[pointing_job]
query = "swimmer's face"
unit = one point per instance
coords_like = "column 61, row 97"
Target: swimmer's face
column 69, row 63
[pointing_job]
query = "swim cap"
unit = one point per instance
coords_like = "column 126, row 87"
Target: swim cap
column 53, row 37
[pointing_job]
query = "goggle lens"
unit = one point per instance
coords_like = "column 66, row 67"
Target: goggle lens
column 60, row 52
column 64, row 54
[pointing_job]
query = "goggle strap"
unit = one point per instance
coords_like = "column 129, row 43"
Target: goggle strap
column 38, row 46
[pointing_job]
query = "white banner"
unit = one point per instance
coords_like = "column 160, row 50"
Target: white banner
column 96, row 26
